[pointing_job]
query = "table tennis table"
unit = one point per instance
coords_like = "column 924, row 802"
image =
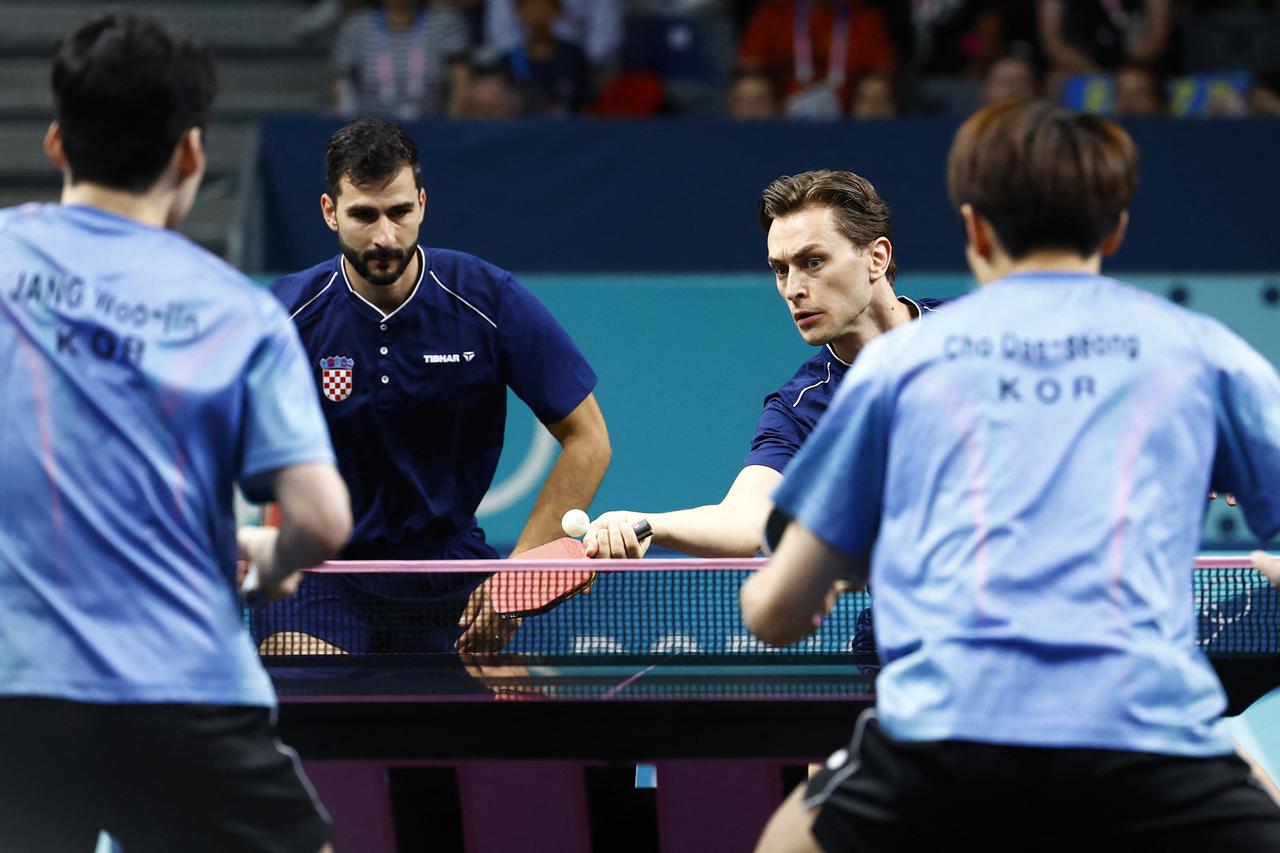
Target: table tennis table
column 519, row 733
column 723, row 723
column 719, row 733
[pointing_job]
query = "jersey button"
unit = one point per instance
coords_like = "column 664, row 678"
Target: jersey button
column 386, row 379
column 383, row 327
column 383, row 350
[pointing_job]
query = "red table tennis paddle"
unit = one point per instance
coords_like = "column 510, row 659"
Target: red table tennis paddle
column 517, row 594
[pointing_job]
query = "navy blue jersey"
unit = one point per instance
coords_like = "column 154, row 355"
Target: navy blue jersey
column 416, row 400
column 791, row 412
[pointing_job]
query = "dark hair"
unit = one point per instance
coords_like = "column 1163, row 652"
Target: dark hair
column 861, row 215
column 1044, row 176
column 125, row 90
column 369, row 152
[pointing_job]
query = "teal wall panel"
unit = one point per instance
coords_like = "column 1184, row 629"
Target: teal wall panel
column 685, row 361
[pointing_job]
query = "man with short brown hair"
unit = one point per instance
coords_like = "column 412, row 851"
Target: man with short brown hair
column 1025, row 476
column 830, row 251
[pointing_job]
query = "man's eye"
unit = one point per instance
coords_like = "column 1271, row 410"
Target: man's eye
column 814, row 263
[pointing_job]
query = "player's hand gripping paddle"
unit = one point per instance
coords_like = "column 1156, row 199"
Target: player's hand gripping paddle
column 517, row 594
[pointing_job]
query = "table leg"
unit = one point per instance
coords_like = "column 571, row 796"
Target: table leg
column 715, row 805
column 356, row 796
column 524, row 805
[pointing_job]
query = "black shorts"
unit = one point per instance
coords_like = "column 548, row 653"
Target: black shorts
column 886, row 795
column 157, row 777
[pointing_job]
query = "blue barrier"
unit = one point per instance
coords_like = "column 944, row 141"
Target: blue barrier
column 588, row 196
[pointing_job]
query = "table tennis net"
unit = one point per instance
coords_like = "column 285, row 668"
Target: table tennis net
column 643, row 611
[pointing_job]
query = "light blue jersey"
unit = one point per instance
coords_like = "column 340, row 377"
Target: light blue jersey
column 1030, row 471
column 142, row 378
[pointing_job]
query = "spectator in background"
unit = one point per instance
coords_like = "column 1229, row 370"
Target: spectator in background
column 474, row 12
column 874, row 96
column 968, row 36
column 1226, row 102
column 491, row 95
column 593, row 25
column 1083, row 37
column 753, row 95
column 1010, row 78
column 814, row 48
column 1139, row 92
column 1264, row 98
column 552, row 74
column 322, row 19
column 403, row 59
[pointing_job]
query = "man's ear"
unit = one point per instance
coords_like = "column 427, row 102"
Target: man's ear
column 979, row 244
column 190, row 154
column 977, row 232
column 53, row 147
column 879, row 255
column 1111, row 243
column 329, row 210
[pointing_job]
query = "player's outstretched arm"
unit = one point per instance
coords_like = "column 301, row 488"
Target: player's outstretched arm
column 1268, row 565
column 786, row 600
column 730, row 528
column 315, row 522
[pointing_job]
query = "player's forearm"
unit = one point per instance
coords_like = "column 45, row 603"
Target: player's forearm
column 715, row 530
column 1268, row 565
column 298, row 548
column 784, row 601
column 572, row 482
column 315, row 517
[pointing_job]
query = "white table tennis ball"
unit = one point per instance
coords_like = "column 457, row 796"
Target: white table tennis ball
column 575, row 523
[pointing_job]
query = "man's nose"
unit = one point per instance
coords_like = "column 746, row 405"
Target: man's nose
column 793, row 286
column 385, row 233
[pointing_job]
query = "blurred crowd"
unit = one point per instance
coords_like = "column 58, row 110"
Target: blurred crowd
column 800, row 59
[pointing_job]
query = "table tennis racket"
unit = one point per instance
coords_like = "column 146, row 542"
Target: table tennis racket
column 517, row 594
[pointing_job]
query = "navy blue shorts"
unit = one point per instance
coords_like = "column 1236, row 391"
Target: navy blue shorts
column 380, row 614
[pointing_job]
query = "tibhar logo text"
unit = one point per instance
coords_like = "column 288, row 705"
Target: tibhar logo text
column 451, row 358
